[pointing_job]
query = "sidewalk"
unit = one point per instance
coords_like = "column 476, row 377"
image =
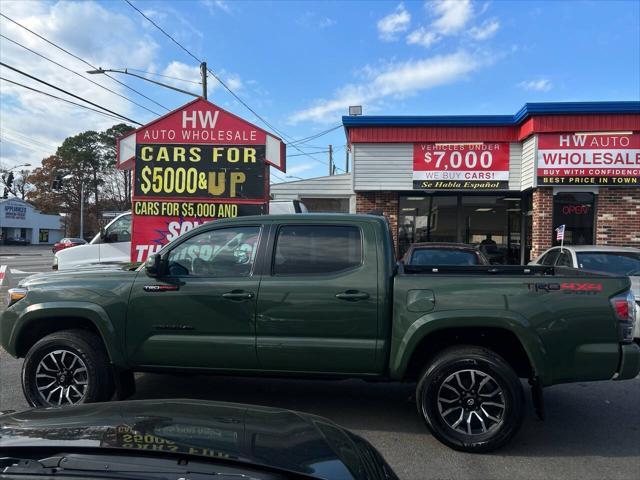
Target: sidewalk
column 25, row 250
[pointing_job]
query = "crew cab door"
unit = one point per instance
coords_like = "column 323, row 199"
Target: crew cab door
column 318, row 299
column 202, row 313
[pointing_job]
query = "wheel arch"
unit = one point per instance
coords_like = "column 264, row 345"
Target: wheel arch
column 43, row 319
column 507, row 334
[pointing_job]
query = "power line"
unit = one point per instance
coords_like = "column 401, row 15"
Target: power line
column 25, row 138
column 78, row 74
column 227, row 88
column 60, row 98
column 82, row 60
column 68, row 93
column 165, row 76
column 305, row 154
column 314, row 136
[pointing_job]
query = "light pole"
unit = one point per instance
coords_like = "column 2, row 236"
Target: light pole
column 203, row 75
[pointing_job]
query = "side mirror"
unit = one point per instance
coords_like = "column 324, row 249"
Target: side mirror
column 153, row 265
column 103, row 233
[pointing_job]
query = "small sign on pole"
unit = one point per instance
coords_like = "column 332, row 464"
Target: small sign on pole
column 560, row 235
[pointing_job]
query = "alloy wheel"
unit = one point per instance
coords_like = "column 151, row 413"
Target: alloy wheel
column 62, row 378
column 471, row 402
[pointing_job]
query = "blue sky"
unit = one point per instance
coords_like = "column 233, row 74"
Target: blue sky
column 300, row 64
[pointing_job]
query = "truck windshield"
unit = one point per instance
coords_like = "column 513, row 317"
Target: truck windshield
column 619, row 263
column 439, row 256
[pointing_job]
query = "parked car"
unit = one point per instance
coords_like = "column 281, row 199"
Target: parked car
column 16, row 241
column 68, row 242
column 434, row 253
column 321, row 295
column 145, row 438
column 597, row 258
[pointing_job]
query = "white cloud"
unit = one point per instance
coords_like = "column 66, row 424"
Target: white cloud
column 422, row 37
column 326, row 22
column 451, row 15
column 216, row 5
column 451, row 18
column 394, row 80
column 486, row 30
column 86, row 29
column 538, row 85
column 394, row 23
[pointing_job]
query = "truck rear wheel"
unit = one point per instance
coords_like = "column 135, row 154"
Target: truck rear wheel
column 69, row 367
column 471, row 399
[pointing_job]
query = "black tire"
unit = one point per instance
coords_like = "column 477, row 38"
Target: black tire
column 81, row 347
column 434, row 397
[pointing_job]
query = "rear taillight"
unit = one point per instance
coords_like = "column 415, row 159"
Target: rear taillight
column 624, row 307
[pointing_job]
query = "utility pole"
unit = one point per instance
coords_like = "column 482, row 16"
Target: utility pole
column 346, row 159
column 82, row 210
column 203, row 74
column 330, row 159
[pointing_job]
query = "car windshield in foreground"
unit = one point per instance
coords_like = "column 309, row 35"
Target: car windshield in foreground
column 618, row 263
column 443, row 256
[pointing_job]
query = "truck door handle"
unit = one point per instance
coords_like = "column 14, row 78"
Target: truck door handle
column 237, row 295
column 352, row 295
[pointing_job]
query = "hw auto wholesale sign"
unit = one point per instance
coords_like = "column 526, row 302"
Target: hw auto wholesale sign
column 194, row 165
column 611, row 159
column 461, row 166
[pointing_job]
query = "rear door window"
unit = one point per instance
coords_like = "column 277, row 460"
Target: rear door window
column 565, row 259
column 442, row 256
column 317, row 249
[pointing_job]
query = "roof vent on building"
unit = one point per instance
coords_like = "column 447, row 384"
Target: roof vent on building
column 355, row 110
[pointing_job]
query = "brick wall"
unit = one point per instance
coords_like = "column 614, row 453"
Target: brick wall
column 618, row 216
column 542, row 221
column 387, row 202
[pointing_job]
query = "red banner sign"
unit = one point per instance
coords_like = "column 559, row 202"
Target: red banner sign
column 157, row 223
column 461, row 166
column 611, row 159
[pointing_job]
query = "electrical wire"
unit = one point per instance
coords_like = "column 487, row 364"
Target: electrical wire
column 78, row 74
column 314, row 136
column 68, row 93
column 60, row 98
column 305, row 154
column 82, row 60
column 228, row 89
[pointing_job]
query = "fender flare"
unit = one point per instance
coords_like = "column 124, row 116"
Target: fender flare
column 81, row 310
column 403, row 348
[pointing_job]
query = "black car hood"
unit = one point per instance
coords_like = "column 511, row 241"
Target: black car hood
column 271, row 437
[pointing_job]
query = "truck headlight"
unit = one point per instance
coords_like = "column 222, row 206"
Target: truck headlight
column 15, row 294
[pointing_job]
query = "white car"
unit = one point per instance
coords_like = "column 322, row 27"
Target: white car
column 111, row 245
column 597, row 258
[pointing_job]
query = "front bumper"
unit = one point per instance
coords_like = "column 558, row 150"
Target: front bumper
column 629, row 362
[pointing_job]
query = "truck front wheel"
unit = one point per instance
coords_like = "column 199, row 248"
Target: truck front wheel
column 471, row 399
column 69, row 367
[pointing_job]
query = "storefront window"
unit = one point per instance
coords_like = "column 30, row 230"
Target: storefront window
column 575, row 210
column 490, row 222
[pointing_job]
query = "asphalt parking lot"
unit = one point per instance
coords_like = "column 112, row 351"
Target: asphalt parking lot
column 592, row 430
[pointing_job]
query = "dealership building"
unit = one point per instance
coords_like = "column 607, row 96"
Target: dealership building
column 506, row 181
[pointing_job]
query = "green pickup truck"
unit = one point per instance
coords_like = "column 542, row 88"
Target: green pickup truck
column 322, row 296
